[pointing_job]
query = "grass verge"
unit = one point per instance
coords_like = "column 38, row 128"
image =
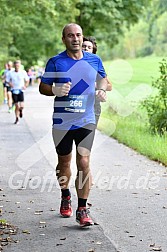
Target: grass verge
column 135, row 134
column 122, row 119
column 1, row 93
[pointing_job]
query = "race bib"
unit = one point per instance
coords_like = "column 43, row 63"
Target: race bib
column 77, row 103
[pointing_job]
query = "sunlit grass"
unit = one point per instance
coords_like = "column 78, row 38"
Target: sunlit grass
column 143, row 70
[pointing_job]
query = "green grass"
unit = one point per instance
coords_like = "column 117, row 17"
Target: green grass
column 1, row 92
column 143, row 71
column 123, row 118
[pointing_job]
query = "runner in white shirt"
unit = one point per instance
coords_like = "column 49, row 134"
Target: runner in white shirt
column 18, row 80
column 7, row 86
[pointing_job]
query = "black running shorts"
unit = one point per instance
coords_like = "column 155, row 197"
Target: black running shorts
column 83, row 137
column 18, row 97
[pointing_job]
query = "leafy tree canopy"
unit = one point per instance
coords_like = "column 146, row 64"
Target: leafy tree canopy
column 105, row 18
column 31, row 29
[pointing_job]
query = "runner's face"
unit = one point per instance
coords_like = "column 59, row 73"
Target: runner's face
column 87, row 46
column 73, row 38
column 17, row 66
column 9, row 66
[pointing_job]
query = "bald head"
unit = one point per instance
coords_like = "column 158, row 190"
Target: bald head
column 72, row 38
column 68, row 27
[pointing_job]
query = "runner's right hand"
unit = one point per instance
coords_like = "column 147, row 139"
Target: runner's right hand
column 61, row 90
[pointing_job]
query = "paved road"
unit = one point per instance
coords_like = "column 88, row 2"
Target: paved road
column 127, row 201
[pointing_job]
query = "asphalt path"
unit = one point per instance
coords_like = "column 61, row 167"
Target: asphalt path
column 127, row 200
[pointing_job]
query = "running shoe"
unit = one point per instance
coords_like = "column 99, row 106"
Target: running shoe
column 17, row 120
column 83, row 218
column 13, row 107
column 5, row 101
column 10, row 110
column 65, row 208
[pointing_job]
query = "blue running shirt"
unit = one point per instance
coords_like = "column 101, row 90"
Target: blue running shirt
column 76, row 109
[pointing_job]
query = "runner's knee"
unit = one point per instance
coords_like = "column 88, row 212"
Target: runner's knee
column 83, row 163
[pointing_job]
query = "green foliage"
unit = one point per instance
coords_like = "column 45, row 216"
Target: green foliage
column 156, row 105
column 21, row 23
column 160, row 35
column 105, row 18
column 31, row 29
column 146, row 50
column 148, row 36
column 136, row 40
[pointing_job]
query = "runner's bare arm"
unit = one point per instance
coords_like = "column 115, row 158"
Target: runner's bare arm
column 10, row 84
column 45, row 89
column 109, row 85
column 26, row 83
column 101, row 89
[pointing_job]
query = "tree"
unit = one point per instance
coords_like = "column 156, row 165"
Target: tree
column 135, row 42
column 19, row 24
column 105, row 18
column 160, row 36
column 32, row 28
column 153, row 12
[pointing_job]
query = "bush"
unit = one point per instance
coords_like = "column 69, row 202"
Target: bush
column 156, row 105
column 145, row 51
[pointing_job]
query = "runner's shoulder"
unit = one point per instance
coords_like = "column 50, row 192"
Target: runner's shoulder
column 88, row 55
column 58, row 56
